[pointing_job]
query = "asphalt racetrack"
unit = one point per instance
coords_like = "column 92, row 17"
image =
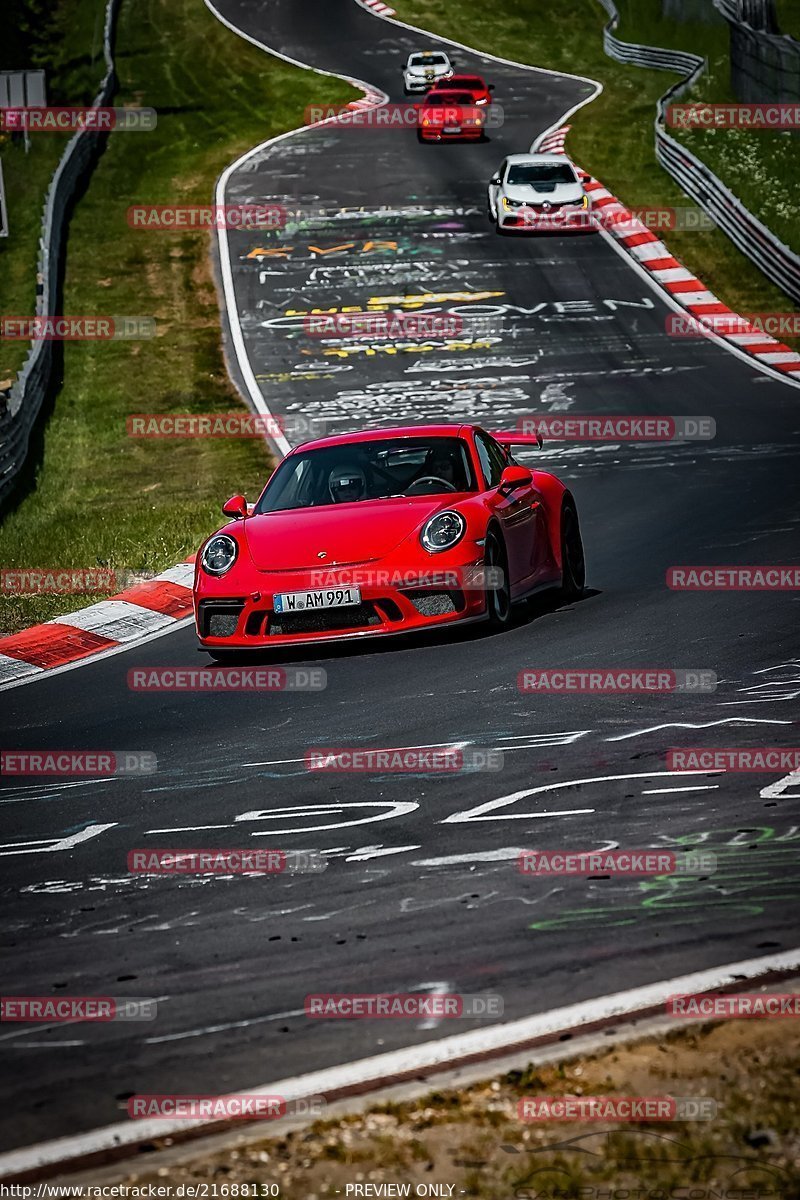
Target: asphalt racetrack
column 421, row 889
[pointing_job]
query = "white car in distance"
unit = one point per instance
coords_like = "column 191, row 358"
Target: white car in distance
column 538, row 192
column 424, row 68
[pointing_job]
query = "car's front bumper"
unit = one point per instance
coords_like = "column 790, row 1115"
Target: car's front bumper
column 567, row 218
column 393, row 601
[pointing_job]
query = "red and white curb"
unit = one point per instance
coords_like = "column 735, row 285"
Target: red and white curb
column 478, row 1047
column 152, row 607
column 684, row 289
column 552, row 142
column 379, row 7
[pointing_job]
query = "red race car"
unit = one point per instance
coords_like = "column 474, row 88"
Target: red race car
column 477, row 87
column 453, row 116
column 386, row 531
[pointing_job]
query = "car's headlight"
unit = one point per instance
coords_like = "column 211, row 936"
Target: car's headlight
column 482, row 101
column 585, row 201
column 442, row 531
column 512, row 203
column 219, row 555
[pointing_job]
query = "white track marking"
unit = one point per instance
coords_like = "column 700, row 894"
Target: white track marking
column 50, row 845
column 775, row 790
column 368, row 852
column 704, row 787
column 479, row 812
column 622, row 737
column 244, row 1024
column 439, row 1055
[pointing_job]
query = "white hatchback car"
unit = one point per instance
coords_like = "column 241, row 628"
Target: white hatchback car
column 538, row 192
column 424, row 68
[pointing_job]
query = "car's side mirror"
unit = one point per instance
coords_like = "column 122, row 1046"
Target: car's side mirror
column 491, row 87
column 496, row 180
column 514, row 477
column 236, row 507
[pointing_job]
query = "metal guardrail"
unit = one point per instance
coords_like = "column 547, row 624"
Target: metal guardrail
column 19, row 411
column 780, row 264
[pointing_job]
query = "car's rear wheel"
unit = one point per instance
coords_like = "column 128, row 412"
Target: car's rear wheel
column 573, row 564
column 498, row 599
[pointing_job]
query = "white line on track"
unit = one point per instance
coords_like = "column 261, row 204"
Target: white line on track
column 705, row 787
column 368, row 1074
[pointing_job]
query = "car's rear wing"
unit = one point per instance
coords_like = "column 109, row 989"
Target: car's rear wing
column 513, row 438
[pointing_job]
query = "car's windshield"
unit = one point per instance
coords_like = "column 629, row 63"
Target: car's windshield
column 427, row 60
column 344, row 474
column 441, row 99
column 468, row 81
column 540, row 173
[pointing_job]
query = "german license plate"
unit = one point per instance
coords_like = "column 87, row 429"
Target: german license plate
column 287, row 602
column 452, row 129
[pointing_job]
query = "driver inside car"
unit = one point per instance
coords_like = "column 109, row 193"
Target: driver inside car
column 347, row 484
column 440, row 465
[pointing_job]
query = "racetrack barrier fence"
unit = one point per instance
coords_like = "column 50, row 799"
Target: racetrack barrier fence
column 780, row 264
column 22, row 405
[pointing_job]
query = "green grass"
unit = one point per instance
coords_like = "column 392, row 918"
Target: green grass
column 613, row 136
column 101, row 498
column 788, row 13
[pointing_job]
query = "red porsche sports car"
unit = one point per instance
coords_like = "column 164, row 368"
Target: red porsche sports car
column 451, row 116
column 477, row 87
column 386, row 531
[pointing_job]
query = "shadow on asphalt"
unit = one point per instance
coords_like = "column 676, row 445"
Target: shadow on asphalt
column 525, row 613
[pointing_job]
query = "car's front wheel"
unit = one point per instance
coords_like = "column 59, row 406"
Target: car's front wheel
column 498, row 588
column 573, row 564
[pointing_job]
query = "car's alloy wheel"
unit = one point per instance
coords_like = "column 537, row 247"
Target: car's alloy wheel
column 498, row 599
column 573, row 564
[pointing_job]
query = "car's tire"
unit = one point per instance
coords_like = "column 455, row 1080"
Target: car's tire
column 573, row 564
column 498, row 600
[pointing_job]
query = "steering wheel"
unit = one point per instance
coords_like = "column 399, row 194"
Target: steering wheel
column 410, row 490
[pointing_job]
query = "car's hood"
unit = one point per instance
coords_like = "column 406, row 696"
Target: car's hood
column 348, row 533
column 559, row 193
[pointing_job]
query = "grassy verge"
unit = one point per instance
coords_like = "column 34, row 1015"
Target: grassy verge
column 473, row 1140
column 788, row 14
column 613, row 136
column 102, row 499
column 68, row 44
